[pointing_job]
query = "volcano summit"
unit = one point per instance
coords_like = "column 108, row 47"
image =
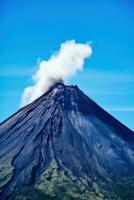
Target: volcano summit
column 63, row 146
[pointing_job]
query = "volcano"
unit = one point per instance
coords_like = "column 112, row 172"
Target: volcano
column 63, row 143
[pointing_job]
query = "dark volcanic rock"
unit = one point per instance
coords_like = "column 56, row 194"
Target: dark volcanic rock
column 66, row 126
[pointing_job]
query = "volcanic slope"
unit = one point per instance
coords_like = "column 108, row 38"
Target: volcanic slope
column 63, row 140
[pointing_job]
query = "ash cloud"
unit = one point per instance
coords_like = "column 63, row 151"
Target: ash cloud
column 63, row 64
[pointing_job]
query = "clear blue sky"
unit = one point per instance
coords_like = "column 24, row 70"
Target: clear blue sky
column 33, row 29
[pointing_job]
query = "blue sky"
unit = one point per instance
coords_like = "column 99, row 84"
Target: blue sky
column 33, row 29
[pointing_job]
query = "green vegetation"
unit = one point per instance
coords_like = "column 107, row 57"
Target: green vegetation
column 59, row 185
column 31, row 193
column 56, row 184
column 6, row 170
column 123, row 190
column 64, row 186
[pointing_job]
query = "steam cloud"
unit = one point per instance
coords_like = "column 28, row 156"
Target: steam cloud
column 60, row 66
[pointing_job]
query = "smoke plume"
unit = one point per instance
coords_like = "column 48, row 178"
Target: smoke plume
column 60, row 66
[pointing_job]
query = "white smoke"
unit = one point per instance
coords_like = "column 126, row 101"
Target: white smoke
column 60, row 66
